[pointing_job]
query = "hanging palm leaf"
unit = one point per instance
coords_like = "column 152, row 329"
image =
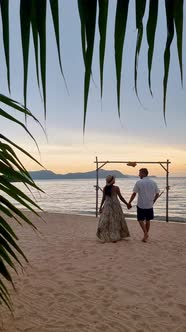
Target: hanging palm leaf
column 119, row 37
column 11, row 169
column 87, row 12
column 178, row 20
column 103, row 14
column 151, row 30
column 140, row 11
column 4, row 5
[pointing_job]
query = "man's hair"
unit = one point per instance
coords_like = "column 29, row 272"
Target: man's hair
column 144, row 170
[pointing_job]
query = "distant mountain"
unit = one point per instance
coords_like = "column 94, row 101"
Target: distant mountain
column 49, row 175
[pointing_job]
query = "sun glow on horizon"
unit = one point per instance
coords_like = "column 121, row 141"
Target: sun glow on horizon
column 81, row 158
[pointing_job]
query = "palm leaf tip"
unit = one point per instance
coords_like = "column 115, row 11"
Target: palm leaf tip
column 140, row 11
column 25, row 19
column 170, row 35
column 150, row 31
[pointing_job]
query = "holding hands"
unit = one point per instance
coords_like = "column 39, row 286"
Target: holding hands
column 129, row 206
column 100, row 210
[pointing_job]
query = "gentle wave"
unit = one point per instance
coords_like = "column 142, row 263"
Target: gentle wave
column 79, row 197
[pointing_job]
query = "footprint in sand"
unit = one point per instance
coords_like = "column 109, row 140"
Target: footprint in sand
column 182, row 306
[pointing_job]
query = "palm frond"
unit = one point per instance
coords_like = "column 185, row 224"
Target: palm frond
column 140, row 11
column 41, row 6
column 151, row 30
column 170, row 34
column 178, row 20
column 4, row 6
column 119, row 37
column 11, row 170
column 103, row 15
column 87, row 11
column 25, row 18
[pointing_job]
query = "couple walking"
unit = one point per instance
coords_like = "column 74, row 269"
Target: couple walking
column 112, row 225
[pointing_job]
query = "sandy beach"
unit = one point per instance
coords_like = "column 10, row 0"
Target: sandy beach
column 73, row 283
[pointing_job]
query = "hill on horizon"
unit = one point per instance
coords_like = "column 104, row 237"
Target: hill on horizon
column 47, row 175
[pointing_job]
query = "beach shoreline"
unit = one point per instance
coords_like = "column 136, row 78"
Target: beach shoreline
column 74, row 283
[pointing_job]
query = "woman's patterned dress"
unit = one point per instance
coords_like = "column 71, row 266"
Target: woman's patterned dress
column 112, row 225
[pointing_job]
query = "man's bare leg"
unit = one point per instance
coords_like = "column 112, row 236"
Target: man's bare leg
column 147, row 225
column 143, row 226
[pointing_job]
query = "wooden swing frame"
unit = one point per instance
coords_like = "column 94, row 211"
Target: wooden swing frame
column 163, row 164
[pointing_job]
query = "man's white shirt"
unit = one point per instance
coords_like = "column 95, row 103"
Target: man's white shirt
column 146, row 189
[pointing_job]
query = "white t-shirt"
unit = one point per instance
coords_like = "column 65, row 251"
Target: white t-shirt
column 146, row 189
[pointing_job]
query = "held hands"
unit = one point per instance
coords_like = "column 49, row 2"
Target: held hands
column 100, row 210
column 129, row 206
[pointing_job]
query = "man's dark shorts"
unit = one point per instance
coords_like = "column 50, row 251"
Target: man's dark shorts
column 145, row 214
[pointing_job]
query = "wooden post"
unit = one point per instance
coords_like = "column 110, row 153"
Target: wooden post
column 167, row 192
column 97, row 187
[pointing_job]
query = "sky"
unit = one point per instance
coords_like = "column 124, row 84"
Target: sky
column 140, row 134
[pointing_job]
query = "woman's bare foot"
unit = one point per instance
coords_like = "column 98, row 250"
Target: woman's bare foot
column 145, row 238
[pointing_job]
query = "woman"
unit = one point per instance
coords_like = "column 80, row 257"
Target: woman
column 112, row 226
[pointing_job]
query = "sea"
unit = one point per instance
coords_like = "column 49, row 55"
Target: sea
column 78, row 196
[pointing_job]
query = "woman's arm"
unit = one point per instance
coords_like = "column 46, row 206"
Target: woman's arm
column 120, row 196
column 102, row 201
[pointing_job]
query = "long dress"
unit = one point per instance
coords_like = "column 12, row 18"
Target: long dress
column 112, row 225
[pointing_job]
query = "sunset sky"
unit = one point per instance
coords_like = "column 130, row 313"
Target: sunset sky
column 140, row 134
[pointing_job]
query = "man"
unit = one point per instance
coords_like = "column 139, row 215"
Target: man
column 148, row 193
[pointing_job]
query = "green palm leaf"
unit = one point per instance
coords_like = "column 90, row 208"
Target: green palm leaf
column 5, row 211
column 7, row 227
column 12, row 173
column 119, row 36
column 5, row 273
column 8, row 240
column 19, row 148
column 41, row 26
column 103, row 14
column 25, row 17
column 35, row 38
column 55, row 16
column 4, row 255
column 178, row 20
column 170, row 34
column 140, row 11
column 9, row 117
column 16, row 195
column 151, row 29
column 9, row 160
column 87, row 11
column 4, row 5
column 16, row 105
column 15, row 210
column 4, row 296
column 6, row 251
column 83, row 29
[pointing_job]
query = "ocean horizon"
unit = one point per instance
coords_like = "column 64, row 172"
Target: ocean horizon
column 78, row 196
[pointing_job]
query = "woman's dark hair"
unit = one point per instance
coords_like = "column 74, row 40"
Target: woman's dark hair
column 108, row 190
